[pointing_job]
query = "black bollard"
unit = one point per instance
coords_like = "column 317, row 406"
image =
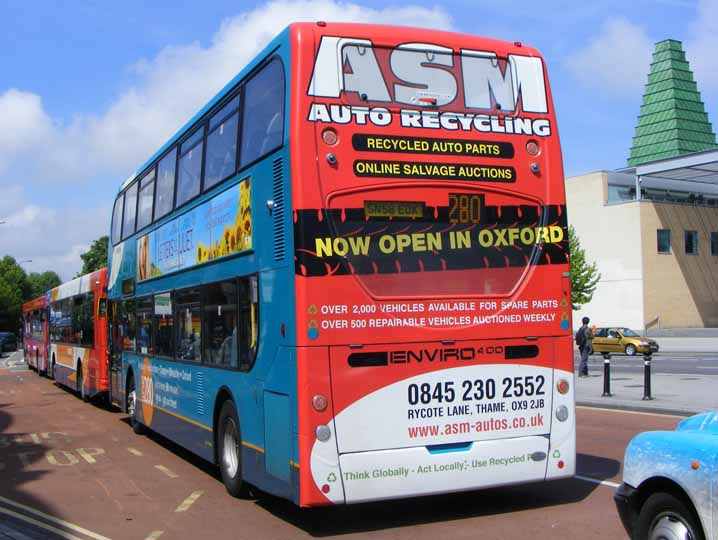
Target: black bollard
column 647, row 378
column 607, row 376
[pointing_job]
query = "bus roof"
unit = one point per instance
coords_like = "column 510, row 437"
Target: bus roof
column 76, row 286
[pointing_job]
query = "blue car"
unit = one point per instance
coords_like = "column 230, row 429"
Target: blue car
column 670, row 484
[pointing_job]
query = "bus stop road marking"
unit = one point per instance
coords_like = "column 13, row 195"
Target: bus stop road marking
column 166, row 471
column 49, row 518
column 613, row 485
column 189, row 501
column 154, row 535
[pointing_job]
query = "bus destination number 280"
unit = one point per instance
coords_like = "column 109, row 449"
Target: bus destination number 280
column 476, row 390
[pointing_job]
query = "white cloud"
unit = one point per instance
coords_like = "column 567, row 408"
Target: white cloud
column 51, row 238
column 24, row 124
column 170, row 88
column 167, row 91
column 701, row 47
column 615, row 61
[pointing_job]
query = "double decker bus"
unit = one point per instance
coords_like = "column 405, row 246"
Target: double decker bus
column 77, row 315
column 34, row 333
column 350, row 269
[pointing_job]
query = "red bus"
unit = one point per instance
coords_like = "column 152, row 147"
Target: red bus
column 78, row 334
column 34, row 333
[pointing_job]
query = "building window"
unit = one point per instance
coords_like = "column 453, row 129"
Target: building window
column 663, row 236
column 714, row 243
column 692, row 242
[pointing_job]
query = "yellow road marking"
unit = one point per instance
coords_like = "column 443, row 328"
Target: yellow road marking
column 48, row 517
column 134, row 451
column 154, row 535
column 189, row 501
column 166, row 471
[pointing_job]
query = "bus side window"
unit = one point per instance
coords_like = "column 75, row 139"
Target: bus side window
column 164, row 325
column 249, row 321
column 145, row 312
column 263, row 113
column 129, row 326
column 220, row 323
column 188, row 323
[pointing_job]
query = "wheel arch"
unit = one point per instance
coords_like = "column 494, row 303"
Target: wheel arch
column 659, row 484
column 129, row 377
column 223, row 394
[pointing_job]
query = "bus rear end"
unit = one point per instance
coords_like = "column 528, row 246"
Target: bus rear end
column 431, row 250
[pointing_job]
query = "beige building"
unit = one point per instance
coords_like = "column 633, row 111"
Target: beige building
column 653, row 232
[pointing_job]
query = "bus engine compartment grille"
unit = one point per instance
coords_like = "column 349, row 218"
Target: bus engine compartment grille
column 278, row 211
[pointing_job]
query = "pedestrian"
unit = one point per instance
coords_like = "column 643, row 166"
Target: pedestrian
column 584, row 340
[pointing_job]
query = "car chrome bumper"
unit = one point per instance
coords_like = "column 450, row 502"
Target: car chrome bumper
column 625, row 499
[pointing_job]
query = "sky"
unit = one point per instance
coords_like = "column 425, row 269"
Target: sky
column 90, row 89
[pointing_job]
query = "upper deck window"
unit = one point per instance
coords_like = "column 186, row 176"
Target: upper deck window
column 263, row 113
column 117, row 219
column 164, row 194
column 221, row 159
column 147, row 195
column 190, row 167
column 128, row 223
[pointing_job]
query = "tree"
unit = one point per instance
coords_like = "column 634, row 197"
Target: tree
column 14, row 289
column 40, row 283
column 95, row 257
column 584, row 276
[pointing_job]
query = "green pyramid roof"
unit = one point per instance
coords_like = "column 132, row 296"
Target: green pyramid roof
column 672, row 120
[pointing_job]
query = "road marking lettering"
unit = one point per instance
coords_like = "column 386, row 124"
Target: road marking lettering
column 50, row 518
column 596, row 481
column 189, row 501
column 89, row 454
column 134, row 451
column 167, row 471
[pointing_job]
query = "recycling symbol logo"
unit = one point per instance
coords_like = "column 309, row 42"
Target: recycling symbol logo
column 556, row 454
column 312, row 310
column 332, row 477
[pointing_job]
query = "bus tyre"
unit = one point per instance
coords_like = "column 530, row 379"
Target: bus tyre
column 229, row 450
column 137, row 427
column 665, row 516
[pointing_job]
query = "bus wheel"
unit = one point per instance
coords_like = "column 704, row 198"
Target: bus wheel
column 230, row 450
column 137, row 427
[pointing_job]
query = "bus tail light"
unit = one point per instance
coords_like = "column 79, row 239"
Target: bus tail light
column 533, row 148
column 319, row 402
column 330, row 137
column 562, row 386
